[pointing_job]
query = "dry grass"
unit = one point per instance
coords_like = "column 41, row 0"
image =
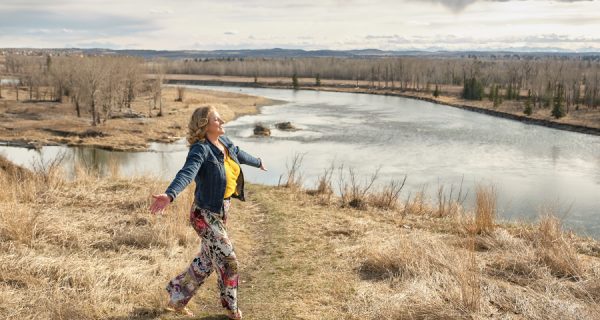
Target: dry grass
column 485, row 209
column 447, row 204
column 419, row 274
column 86, row 248
column 294, row 178
column 388, row 196
column 324, row 190
column 42, row 123
column 89, row 249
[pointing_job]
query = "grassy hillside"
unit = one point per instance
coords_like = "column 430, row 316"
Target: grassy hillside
column 90, row 249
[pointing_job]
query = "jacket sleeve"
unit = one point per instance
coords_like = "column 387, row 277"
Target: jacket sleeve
column 188, row 172
column 246, row 158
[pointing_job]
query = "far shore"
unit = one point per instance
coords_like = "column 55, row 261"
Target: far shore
column 35, row 124
column 576, row 121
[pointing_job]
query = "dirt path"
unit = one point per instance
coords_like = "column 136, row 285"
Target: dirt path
column 287, row 260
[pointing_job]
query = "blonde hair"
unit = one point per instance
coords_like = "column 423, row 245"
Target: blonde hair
column 198, row 124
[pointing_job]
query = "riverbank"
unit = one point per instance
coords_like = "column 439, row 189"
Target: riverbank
column 89, row 248
column 35, row 124
column 582, row 120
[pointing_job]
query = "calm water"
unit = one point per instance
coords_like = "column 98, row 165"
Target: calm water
column 531, row 166
column 9, row 81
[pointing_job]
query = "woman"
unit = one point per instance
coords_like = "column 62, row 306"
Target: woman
column 213, row 162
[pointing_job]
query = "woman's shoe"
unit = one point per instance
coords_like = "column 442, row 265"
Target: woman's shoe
column 234, row 315
column 184, row 311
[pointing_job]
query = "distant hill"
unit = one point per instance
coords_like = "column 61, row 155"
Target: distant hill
column 300, row 53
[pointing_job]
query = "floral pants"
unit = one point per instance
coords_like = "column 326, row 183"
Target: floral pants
column 216, row 252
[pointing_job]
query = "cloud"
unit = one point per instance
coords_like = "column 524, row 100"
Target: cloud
column 96, row 44
column 454, row 5
column 459, row 5
column 466, row 42
column 161, row 11
column 22, row 21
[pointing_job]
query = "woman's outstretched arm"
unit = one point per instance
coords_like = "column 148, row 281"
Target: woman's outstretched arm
column 182, row 179
column 246, row 158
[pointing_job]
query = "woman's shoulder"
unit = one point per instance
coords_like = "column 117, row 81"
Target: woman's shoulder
column 226, row 140
column 199, row 146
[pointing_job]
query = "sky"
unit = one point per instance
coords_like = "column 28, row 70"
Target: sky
column 571, row 25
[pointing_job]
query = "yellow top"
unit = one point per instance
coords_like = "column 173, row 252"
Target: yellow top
column 232, row 171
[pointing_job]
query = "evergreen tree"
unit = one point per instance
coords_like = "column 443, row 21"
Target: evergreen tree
column 509, row 92
column 472, row 89
column 497, row 97
column 48, row 62
column 295, row 81
column 318, row 80
column 528, row 111
column 576, row 95
column 549, row 94
column 491, row 95
column 436, row 92
column 558, row 110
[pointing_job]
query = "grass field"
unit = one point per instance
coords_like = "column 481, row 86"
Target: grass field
column 90, row 249
column 45, row 123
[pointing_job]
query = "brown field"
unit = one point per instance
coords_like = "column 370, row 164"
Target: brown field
column 586, row 117
column 90, row 249
column 46, row 123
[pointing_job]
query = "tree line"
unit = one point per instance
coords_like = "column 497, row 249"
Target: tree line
column 574, row 80
column 101, row 86
column 106, row 85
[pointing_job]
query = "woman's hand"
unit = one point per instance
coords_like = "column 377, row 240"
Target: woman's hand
column 262, row 165
column 161, row 201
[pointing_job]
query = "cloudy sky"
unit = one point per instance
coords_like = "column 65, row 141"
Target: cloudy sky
column 325, row 24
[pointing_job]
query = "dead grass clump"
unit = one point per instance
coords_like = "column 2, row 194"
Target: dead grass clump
column 355, row 193
column 417, row 205
column 140, row 237
column 426, row 276
column 422, row 275
column 485, row 209
column 324, row 189
column 180, row 93
column 174, row 227
column 447, row 205
column 387, row 198
column 483, row 221
column 523, row 302
column 294, row 177
column 13, row 171
column 19, row 223
column 50, row 172
column 555, row 250
column 521, row 267
column 419, row 301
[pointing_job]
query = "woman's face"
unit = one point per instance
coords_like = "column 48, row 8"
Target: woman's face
column 215, row 124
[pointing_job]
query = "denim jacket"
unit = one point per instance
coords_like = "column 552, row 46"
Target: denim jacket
column 204, row 164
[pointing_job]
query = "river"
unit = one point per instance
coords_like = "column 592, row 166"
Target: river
column 532, row 167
